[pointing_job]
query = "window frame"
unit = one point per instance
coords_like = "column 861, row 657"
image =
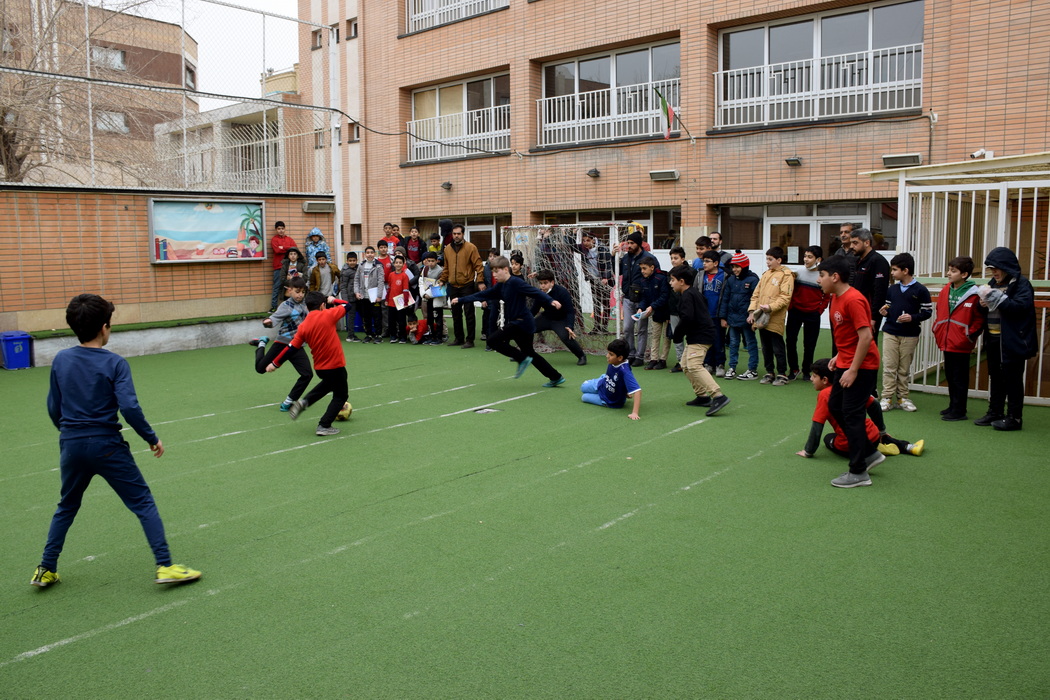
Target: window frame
column 100, row 58
column 611, row 55
column 352, row 29
column 438, row 87
column 105, row 121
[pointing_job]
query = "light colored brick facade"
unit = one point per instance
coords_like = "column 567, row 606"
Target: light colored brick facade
column 986, row 74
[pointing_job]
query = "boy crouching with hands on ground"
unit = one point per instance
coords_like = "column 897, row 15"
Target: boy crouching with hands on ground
column 822, row 378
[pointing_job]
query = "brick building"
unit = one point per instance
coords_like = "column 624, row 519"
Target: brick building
column 549, row 110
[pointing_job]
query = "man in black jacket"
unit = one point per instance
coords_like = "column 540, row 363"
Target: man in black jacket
column 635, row 331
column 872, row 276
column 558, row 320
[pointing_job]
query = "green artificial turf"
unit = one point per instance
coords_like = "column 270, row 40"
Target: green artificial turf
column 545, row 549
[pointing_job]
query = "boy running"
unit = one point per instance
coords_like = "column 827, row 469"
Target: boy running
column 287, row 318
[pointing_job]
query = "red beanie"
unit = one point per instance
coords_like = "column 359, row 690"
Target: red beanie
column 740, row 259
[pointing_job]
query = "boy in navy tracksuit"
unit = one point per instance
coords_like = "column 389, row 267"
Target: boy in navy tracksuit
column 908, row 304
column 558, row 320
column 711, row 283
column 518, row 324
column 89, row 384
column 1009, row 338
column 655, row 309
column 739, row 287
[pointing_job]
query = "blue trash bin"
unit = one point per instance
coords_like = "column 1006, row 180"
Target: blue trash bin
column 17, row 349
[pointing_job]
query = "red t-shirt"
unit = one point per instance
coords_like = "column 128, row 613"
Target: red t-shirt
column 318, row 331
column 396, row 284
column 821, row 414
column 849, row 313
column 280, row 244
column 414, row 249
column 387, row 263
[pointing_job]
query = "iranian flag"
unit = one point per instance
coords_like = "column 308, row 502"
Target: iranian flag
column 668, row 111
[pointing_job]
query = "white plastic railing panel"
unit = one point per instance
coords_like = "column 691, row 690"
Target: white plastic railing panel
column 423, row 14
column 599, row 115
column 458, row 135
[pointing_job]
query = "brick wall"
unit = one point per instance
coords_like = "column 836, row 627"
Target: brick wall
column 56, row 244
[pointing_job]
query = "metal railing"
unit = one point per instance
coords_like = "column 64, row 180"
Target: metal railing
column 461, row 134
column 866, row 82
column 600, row 115
column 424, row 14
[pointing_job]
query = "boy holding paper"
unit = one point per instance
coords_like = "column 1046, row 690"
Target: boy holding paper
column 434, row 297
column 398, row 300
column 370, row 288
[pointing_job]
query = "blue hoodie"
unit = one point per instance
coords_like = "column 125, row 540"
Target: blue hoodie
column 736, row 297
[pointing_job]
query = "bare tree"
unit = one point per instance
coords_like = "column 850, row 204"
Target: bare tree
column 81, row 88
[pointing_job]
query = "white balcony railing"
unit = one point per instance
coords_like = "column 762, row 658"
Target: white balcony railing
column 601, row 115
column 866, row 82
column 424, row 14
column 462, row 134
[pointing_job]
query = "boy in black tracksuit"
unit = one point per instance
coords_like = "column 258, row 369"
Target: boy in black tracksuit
column 1009, row 339
column 698, row 330
column 558, row 320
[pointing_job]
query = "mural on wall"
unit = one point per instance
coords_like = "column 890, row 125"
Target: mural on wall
column 184, row 230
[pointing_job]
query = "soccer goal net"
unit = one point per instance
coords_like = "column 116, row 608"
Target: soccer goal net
column 584, row 260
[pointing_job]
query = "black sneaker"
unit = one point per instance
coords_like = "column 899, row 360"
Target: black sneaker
column 1007, row 423
column 987, row 419
column 953, row 417
column 717, row 404
column 677, row 368
column 699, row 401
column 581, row 361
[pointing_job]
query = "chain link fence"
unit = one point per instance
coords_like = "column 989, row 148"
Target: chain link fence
column 195, row 95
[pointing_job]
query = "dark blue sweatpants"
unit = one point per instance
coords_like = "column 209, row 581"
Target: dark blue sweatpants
column 109, row 457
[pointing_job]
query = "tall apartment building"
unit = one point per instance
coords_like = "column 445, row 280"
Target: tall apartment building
column 63, row 131
column 549, row 111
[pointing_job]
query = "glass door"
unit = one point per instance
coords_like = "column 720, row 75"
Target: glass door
column 793, row 237
column 483, row 237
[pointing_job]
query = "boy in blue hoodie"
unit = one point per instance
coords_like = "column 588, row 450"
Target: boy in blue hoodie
column 711, row 283
column 739, row 286
column 1009, row 338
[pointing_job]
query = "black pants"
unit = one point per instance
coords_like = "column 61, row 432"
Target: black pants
column 809, row 323
column 334, row 381
column 501, row 342
column 773, row 349
column 298, row 360
column 459, row 310
column 435, row 321
column 957, row 373
column 370, row 318
column 397, row 320
column 561, row 330
column 847, row 405
column 1005, row 381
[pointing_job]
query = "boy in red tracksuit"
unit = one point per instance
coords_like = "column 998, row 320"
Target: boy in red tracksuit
column 318, row 330
column 397, row 285
column 959, row 321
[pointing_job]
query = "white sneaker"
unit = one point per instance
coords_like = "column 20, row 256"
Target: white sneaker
column 720, row 371
column 730, row 373
column 886, row 405
column 907, row 405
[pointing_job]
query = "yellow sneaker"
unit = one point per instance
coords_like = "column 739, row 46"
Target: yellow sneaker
column 916, row 448
column 176, row 573
column 888, row 448
column 42, row 578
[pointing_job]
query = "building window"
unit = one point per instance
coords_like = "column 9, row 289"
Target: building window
column 355, row 234
column 609, row 96
column 317, row 39
column 822, row 66
column 112, row 122
column 335, row 32
column 191, row 77
column 110, row 59
column 319, row 138
column 351, row 28
column 460, row 119
column 7, row 43
column 424, row 14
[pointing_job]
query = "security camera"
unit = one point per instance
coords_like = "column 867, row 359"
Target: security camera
column 979, row 153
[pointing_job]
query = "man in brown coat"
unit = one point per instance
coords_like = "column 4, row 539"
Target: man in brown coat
column 463, row 273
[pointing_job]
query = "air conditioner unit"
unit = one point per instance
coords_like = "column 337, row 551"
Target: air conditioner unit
column 658, row 175
column 319, row 207
column 901, row 160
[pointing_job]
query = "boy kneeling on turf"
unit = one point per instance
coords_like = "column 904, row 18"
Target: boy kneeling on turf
column 822, row 378
column 612, row 388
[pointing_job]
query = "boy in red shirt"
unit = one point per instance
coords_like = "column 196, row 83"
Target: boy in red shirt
column 874, row 428
column 856, row 367
column 397, row 286
column 318, row 331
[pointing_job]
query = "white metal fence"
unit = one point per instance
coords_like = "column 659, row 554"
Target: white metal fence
column 461, row 134
column 601, row 115
column 424, row 14
column 865, row 82
column 945, row 221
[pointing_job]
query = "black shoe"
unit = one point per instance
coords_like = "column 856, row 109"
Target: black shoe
column 717, row 404
column 677, row 368
column 945, row 411
column 1007, row 423
column 651, row 364
column 952, row 417
column 987, row 419
column 699, row 401
column 636, row 362
column 582, row 361
column 661, row 364
column 467, row 345
column 455, row 342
